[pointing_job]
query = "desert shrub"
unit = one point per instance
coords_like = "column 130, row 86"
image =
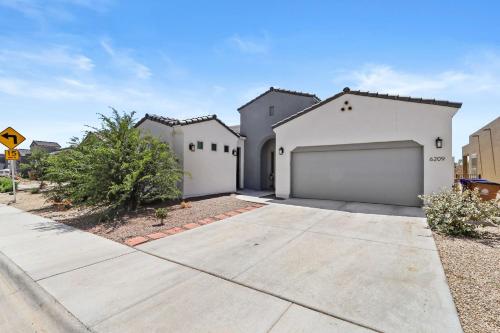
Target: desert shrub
column 161, row 214
column 185, row 204
column 36, row 166
column 115, row 167
column 454, row 212
column 6, row 184
column 35, row 190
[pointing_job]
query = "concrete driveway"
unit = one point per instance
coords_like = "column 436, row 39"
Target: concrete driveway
column 280, row 268
column 373, row 270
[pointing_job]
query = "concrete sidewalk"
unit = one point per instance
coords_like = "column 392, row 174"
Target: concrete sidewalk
column 110, row 287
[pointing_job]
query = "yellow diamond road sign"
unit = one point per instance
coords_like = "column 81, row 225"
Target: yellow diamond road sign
column 12, row 155
column 10, row 138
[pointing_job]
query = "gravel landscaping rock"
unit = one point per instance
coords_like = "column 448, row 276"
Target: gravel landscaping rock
column 472, row 267
column 140, row 223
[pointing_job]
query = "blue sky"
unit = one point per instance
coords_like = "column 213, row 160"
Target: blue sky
column 64, row 61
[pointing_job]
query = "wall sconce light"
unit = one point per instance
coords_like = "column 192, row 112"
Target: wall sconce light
column 439, row 143
column 235, row 152
column 281, row 151
column 191, row 146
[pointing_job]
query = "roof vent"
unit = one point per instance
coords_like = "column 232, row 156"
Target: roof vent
column 271, row 88
column 346, row 89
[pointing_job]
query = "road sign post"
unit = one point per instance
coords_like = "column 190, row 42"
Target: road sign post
column 10, row 138
column 13, row 169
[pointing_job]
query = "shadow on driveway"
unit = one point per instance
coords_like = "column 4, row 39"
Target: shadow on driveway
column 354, row 207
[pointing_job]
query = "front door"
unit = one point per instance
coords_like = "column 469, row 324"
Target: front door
column 238, row 153
column 272, row 174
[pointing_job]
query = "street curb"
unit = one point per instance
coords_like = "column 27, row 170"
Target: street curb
column 47, row 303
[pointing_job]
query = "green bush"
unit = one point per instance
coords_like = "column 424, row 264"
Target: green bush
column 35, row 190
column 6, row 184
column 454, row 212
column 161, row 214
column 114, row 167
column 36, row 166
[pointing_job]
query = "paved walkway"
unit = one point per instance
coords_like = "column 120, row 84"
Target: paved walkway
column 280, row 268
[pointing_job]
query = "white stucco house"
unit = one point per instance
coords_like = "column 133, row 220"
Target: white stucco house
column 354, row 146
column 366, row 147
column 209, row 152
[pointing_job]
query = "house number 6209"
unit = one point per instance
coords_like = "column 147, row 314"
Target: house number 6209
column 437, row 158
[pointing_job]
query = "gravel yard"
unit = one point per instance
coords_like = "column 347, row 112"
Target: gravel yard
column 472, row 268
column 140, row 223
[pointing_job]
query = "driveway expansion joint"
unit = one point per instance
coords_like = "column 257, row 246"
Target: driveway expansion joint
column 144, row 299
column 286, row 299
column 279, row 318
column 48, row 305
column 84, row 266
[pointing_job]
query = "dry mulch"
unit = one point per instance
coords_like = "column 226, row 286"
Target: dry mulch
column 472, row 267
column 139, row 223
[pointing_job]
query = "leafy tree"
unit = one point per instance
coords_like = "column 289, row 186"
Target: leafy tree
column 36, row 166
column 116, row 167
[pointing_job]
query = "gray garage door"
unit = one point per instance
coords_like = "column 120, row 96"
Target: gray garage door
column 387, row 173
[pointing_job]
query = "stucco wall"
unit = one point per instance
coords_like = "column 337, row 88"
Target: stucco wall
column 160, row 131
column 256, row 125
column 486, row 146
column 166, row 134
column 208, row 172
column 371, row 120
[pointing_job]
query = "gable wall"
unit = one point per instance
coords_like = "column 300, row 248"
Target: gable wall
column 256, row 125
column 371, row 120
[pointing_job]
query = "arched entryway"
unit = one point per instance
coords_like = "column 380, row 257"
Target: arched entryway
column 268, row 164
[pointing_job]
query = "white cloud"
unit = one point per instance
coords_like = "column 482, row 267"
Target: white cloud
column 469, row 79
column 123, row 60
column 173, row 69
column 69, row 92
column 251, row 45
column 54, row 9
column 56, row 56
column 476, row 83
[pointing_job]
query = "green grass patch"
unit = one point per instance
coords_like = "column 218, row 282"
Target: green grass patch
column 6, row 185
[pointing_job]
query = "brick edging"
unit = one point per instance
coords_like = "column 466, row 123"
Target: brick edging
column 137, row 240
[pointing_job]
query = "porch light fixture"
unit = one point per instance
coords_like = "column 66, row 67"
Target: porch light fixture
column 235, row 152
column 281, row 150
column 191, row 146
column 439, row 143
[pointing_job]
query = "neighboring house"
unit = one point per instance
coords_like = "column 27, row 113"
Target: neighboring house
column 481, row 156
column 366, row 147
column 48, row 146
column 209, row 152
column 256, row 120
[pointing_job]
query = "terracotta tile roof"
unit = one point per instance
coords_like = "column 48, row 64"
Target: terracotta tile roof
column 159, row 119
column 347, row 91
column 271, row 89
column 178, row 122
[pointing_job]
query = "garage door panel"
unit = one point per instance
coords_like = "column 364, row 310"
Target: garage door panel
column 390, row 176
